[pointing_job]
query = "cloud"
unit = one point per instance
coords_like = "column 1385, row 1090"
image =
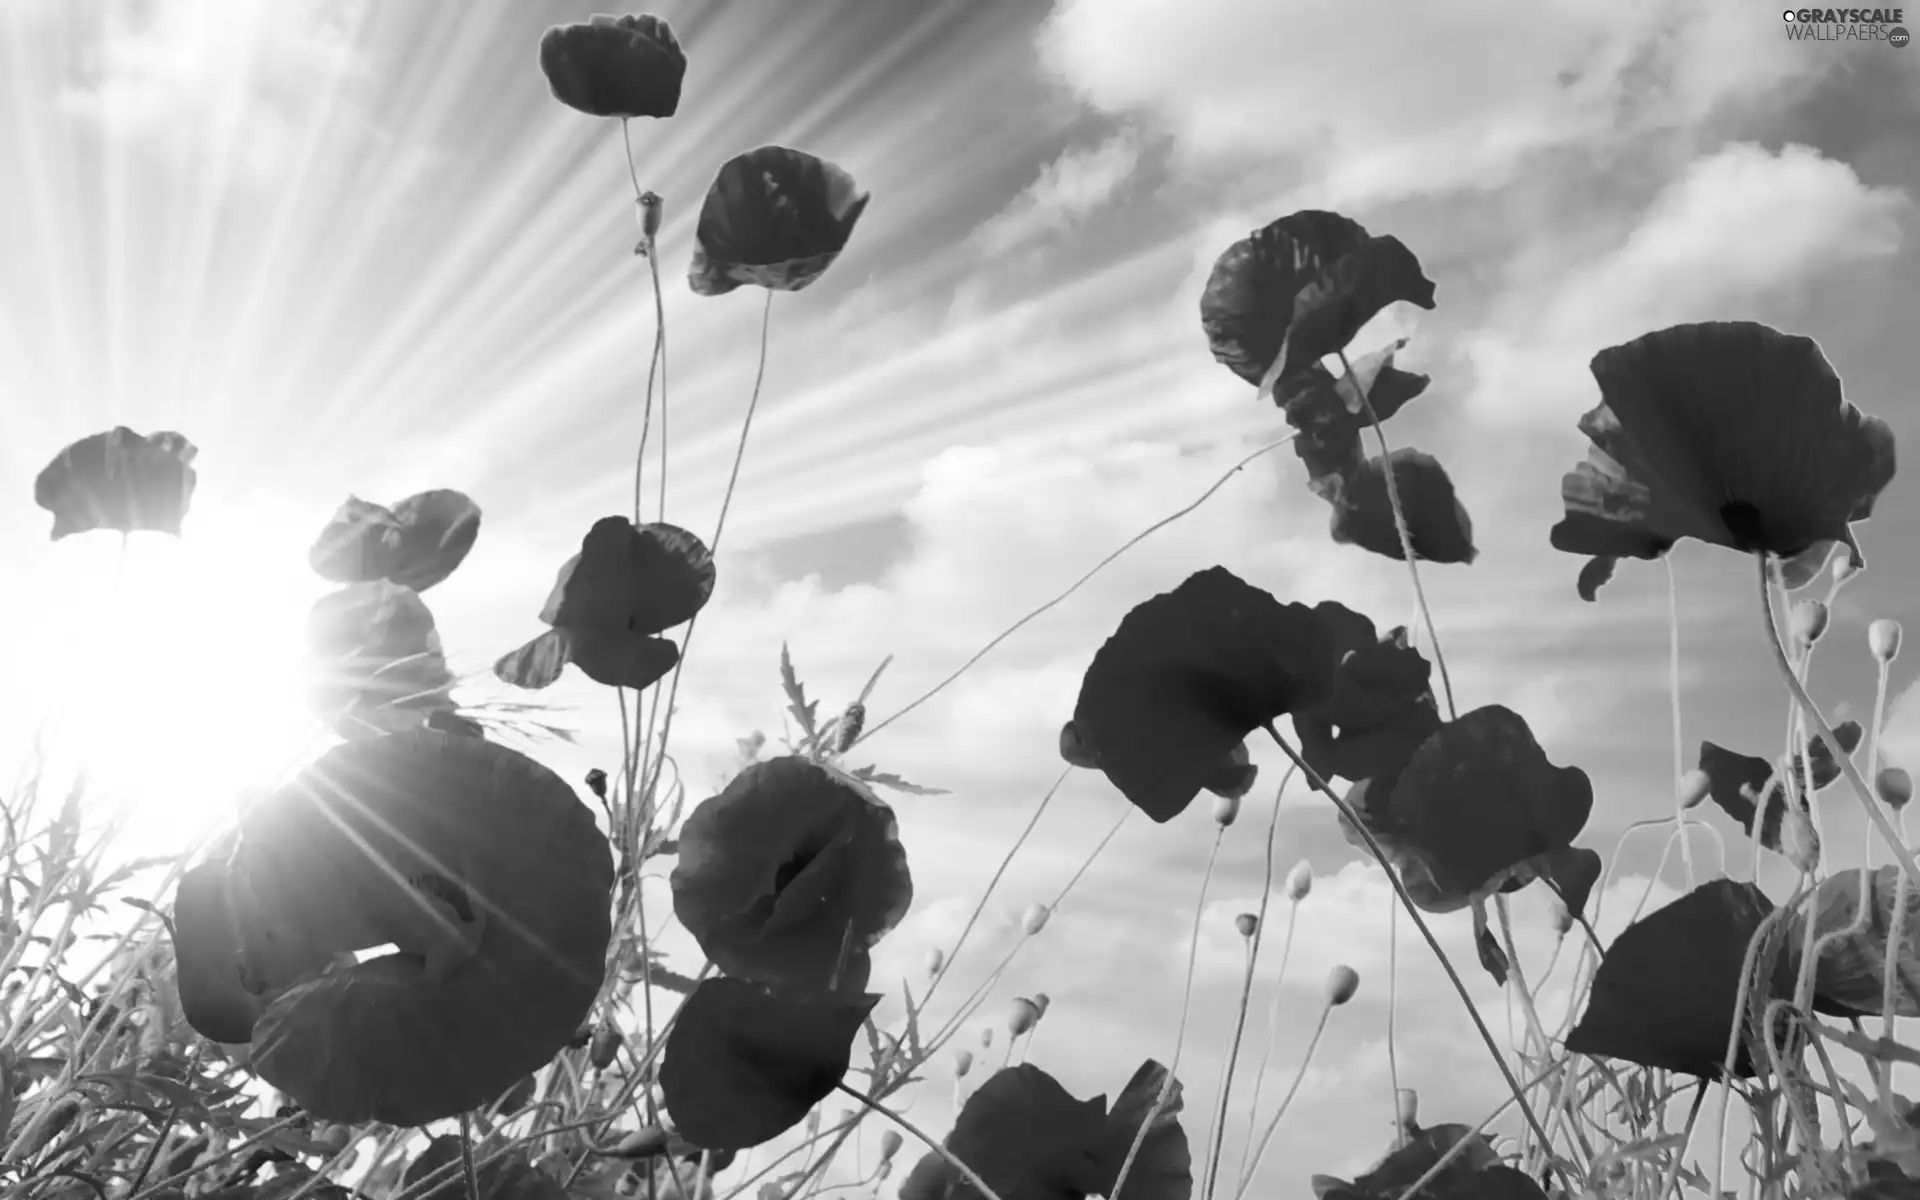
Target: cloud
column 1071, row 188
column 1733, row 231
column 1374, row 100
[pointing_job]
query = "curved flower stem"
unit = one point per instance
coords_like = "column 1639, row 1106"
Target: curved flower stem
column 1400, row 526
column 966, row 1172
column 1865, row 794
column 1433, row 943
column 658, row 363
column 1273, row 1026
column 1186, row 1010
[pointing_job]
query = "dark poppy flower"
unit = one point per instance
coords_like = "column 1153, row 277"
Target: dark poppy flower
column 1186, row 677
column 1478, row 809
column 790, row 875
column 1734, row 781
column 1729, row 432
column 119, row 480
column 1325, row 409
column 1380, row 708
column 1476, row 1171
column 1437, row 523
column 375, row 661
column 743, row 1066
column 1287, row 295
column 214, row 999
column 775, row 218
column 627, row 585
column 479, row 865
column 1664, row 994
column 1851, row 978
column 416, row 544
column 1027, row 1138
column 629, row 66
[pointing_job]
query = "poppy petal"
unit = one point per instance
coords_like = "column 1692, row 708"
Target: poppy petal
column 206, row 949
column 645, row 579
column 419, row 542
column 539, row 663
column 119, row 480
column 1379, row 711
column 625, row 67
column 622, row 660
column 775, row 218
column 1323, row 410
column 1851, row 978
column 1734, row 780
column 375, row 661
column 1163, row 1168
column 1437, row 523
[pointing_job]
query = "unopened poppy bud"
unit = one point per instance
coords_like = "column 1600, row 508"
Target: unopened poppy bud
column 1407, row 1108
column 603, row 1048
column 1342, row 982
column 962, row 1062
column 1034, row 919
column 1695, row 786
column 597, row 782
column 1021, row 1016
column 1225, row 810
column 1300, row 881
column 936, row 958
column 889, row 1144
column 1075, row 752
column 1884, row 637
column 851, row 723
column 986, row 1038
column 1844, row 567
column 1042, row 1002
column 1246, row 923
column 1895, row 787
column 1798, row 839
column 1809, row 621
column 651, row 207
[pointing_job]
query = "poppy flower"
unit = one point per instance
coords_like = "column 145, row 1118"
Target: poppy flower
column 1325, row 409
column 743, row 1066
column 1029, row 1139
column 1729, row 432
column 1476, row 1171
column 1437, row 523
column 416, row 544
column 375, row 661
column 1664, row 993
column 790, row 875
column 1186, row 677
column 119, row 480
column 1734, row 781
column 479, row 865
column 1477, row 810
column 1379, row 709
column 775, row 218
column 1298, row 289
column 628, row 584
column 625, row 67
column 1851, row 978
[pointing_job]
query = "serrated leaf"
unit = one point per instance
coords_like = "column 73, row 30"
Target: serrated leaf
column 888, row 780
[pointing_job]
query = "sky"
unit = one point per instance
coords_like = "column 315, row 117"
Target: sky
column 357, row 248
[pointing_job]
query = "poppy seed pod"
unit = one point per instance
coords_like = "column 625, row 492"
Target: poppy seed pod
column 1342, row 982
column 1034, row 919
column 1407, row 1108
column 1695, row 786
column 1884, row 637
column 1809, row 621
column 936, row 958
column 1043, row 1002
column 603, row 1048
column 1225, row 810
column 1844, row 568
column 651, row 211
column 889, row 1144
column 962, row 1063
column 1021, row 1016
column 851, row 723
column 1246, row 923
column 1895, row 787
column 1300, row 881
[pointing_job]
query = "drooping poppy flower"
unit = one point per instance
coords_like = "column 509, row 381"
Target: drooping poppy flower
column 1029, row 1139
column 416, row 544
column 375, row 661
column 627, row 585
column 478, row 864
column 1330, row 419
column 1477, row 810
column 629, row 66
column 789, row 876
column 1380, row 708
column 775, row 218
column 119, row 480
column 1186, row 677
column 1476, row 1173
column 1664, row 994
column 742, row 1066
column 1850, row 979
column 1294, row 291
column 1437, row 523
column 1734, row 781
column 1729, row 432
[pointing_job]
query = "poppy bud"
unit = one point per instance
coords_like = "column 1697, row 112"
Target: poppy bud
column 1034, row 919
column 1246, row 923
column 1695, row 787
column 889, row 1144
column 851, row 723
column 962, row 1063
column 986, row 1038
column 1809, row 621
column 1342, row 982
column 1225, row 809
column 1895, row 787
column 1407, row 1109
column 334, row 1137
column 1884, row 637
column 1300, row 881
column 1798, row 839
column 1042, row 1002
column 1075, row 752
column 604, row 1047
column 1021, row 1016
column 936, row 958
column 597, row 782
column 650, row 213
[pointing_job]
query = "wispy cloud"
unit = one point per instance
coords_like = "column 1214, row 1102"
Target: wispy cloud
column 1071, row 188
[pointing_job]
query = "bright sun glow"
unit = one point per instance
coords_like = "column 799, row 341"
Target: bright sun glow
column 174, row 670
